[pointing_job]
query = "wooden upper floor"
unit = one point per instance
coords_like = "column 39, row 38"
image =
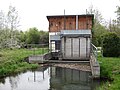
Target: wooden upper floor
column 70, row 22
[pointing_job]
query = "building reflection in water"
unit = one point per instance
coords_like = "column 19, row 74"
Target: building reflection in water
column 69, row 79
column 50, row 78
column 40, row 74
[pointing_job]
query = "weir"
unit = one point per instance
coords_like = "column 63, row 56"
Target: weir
column 70, row 43
column 90, row 65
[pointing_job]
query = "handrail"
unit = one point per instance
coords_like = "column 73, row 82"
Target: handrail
column 94, row 50
column 94, row 46
column 95, row 67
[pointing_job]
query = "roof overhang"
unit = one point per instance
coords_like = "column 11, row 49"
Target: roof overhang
column 76, row 33
column 59, row 16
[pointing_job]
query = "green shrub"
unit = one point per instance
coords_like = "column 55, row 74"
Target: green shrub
column 105, row 71
column 12, row 61
column 111, row 45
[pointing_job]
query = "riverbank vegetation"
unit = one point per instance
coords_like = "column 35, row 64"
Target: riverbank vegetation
column 15, row 44
column 110, row 71
column 12, row 61
column 107, row 35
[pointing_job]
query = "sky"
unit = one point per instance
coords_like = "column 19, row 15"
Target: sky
column 33, row 13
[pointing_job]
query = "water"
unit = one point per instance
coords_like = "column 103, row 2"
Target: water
column 50, row 78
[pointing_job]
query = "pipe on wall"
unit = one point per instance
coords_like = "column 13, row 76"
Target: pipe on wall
column 76, row 22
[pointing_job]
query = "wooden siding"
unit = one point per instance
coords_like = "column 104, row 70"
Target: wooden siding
column 57, row 23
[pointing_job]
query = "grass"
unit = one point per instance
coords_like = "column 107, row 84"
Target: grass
column 12, row 61
column 110, row 69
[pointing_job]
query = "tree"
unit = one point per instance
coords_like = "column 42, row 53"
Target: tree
column 44, row 37
column 12, row 18
column 98, row 28
column 2, row 20
column 115, row 25
column 10, row 36
column 118, row 15
column 22, row 37
column 8, row 27
column 32, row 36
column 111, row 45
column 98, row 19
column 12, row 25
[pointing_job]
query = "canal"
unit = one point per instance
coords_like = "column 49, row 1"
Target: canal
column 50, row 78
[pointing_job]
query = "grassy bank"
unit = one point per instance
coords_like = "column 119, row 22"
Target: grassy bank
column 110, row 68
column 12, row 61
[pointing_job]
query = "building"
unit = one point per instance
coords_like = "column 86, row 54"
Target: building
column 70, row 36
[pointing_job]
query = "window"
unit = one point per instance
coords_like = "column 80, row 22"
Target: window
column 70, row 26
column 59, row 23
column 51, row 24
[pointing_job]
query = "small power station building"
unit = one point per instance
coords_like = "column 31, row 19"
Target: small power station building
column 70, row 36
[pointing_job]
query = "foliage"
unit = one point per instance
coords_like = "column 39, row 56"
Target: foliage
column 32, row 36
column 8, row 28
column 6, row 40
column 118, row 15
column 44, row 37
column 12, row 18
column 12, row 61
column 10, row 37
column 111, row 45
column 22, row 37
column 110, row 69
column 2, row 20
column 98, row 28
column 114, row 25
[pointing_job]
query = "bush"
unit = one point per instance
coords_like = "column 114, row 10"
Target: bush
column 111, row 45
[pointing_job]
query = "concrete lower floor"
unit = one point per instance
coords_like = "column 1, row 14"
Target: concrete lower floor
column 90, row 65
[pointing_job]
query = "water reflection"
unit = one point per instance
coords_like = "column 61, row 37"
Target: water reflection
column 69, row 79
column 49, row 78
column 14, row 81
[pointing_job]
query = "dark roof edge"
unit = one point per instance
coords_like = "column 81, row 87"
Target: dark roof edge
column 52, row 16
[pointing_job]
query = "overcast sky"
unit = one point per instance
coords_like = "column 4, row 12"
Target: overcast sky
column 33, row 12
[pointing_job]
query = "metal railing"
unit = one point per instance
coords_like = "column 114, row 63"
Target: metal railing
column 95, row 67
column 37, row 48
column 94, row 50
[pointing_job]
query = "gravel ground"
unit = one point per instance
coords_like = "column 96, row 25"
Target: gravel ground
column 83, row 67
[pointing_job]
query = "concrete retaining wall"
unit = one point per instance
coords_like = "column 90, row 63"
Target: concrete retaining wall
column 39, row 58
column 95, row 67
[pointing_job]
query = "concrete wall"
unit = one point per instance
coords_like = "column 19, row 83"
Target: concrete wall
column 76, row 48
